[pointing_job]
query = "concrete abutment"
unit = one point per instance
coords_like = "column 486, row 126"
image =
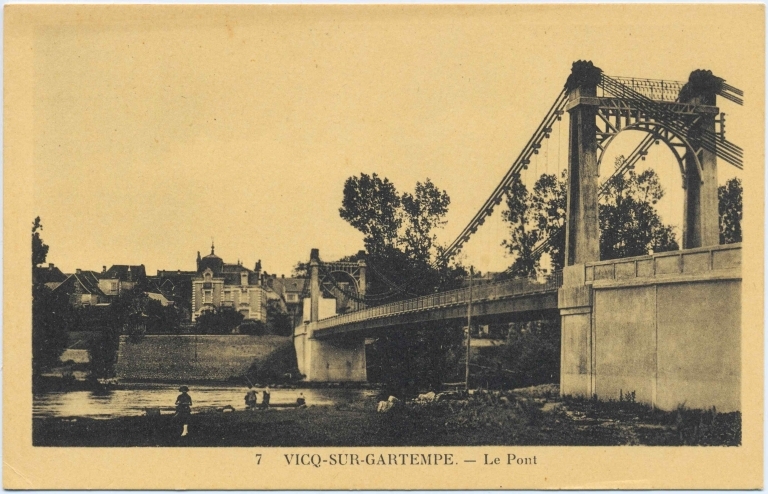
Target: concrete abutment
column 666, row 327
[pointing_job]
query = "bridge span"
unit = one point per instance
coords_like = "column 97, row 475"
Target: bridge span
column 666, row 326
column 516, row 299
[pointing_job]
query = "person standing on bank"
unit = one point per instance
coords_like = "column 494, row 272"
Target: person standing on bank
column 183, row 408
column 251, row 397
column 265, row 399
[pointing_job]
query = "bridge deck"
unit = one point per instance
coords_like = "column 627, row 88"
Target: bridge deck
column 512, row 296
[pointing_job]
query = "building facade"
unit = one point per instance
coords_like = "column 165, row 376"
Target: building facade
column 220, row 285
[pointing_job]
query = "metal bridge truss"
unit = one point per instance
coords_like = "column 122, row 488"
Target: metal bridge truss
column 615, row 115
column 627, row 103
column 329, row 272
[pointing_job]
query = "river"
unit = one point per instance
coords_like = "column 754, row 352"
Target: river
column 133, row 399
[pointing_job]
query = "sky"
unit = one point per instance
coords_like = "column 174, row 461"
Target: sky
column 154, row 134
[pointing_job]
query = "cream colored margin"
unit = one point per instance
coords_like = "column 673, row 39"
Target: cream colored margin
column 26, row 467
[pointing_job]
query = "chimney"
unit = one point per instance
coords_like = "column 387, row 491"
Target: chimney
column 283, row 276
column 103, row 269
column 50, row 265
column 78, row 271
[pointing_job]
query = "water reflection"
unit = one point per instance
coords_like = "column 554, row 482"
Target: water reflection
column 134, row 400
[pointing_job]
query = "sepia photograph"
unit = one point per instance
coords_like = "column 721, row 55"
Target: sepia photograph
column 444, row 237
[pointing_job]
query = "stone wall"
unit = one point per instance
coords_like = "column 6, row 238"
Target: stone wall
column 196, row 357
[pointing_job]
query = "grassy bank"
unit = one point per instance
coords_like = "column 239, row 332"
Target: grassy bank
column 512, row 418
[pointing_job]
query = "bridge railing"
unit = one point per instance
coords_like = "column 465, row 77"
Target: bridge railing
column 480, row 292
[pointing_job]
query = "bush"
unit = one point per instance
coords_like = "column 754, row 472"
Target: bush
column 253, row 328
column 221, row 321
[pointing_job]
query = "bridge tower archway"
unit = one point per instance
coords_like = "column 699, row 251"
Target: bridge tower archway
column 595, row 121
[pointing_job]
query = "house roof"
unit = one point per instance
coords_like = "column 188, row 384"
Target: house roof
column 125, row 272
column 47, row 274
column 53, row 284
column 157, row 296
column 288, row 285
column 88, row 281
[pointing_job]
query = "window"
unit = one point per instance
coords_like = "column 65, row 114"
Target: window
column 114, row 286
column 208, row 296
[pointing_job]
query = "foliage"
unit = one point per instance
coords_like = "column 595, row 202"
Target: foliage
column 128, row 313
column 253, row 328
column 530, row 356
column 531, row 219
column 163, row 319
column 729, row 196
column 52, row 319
column 414, row 359
column 39, row 248
column 403, row 261
column 218, row 321
column 399, row 236
column 102, row 351
column 371, row 205
column 279, row 322
column 629, row 223
column 522, row 216
column 423, row 212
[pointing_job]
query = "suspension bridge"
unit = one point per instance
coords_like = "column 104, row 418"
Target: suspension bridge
column 666, row 326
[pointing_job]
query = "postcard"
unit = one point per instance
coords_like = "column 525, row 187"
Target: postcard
column 504, row 246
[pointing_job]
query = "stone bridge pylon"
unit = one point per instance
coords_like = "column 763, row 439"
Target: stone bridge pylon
column 339, row 359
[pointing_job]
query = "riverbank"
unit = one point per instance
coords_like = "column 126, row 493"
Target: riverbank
column 523, row 417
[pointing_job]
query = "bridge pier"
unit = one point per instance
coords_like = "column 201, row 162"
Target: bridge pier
column 665, row 328
column 326, row 360
column 337, row 360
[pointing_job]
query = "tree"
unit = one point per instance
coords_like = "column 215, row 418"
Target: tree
column 423, row 213
column 532, row 218
column 52, row 318
column 729, row 196
column 129, row 313
column 404, row 261
column 39, row 249
column 629, row 223
column 399, row 235
column 371, row 205
column 409, row 360
column 219, row 321
column 524, row 234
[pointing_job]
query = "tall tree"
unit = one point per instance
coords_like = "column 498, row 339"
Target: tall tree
column 629, row 222
column 423, row 212
column 399, row 233
column 371, row 205
column 52, row 318
column 524, row 233
column 532, row 219
column 39, row 248
column 549, row 198
column 729, row 196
